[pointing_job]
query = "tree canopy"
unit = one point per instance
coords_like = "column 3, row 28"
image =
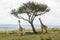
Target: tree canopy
column 31, row 7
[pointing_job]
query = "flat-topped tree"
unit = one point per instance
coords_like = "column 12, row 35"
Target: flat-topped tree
column 32, row 10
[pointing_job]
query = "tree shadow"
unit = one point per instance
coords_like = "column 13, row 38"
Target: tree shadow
column 31, row 33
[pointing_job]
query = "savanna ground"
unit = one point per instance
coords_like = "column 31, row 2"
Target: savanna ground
column 53, row 34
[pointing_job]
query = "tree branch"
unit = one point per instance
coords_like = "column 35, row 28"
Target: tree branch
column 33, row 18
column 23, row 18
column 29, row 15
column 41, row 13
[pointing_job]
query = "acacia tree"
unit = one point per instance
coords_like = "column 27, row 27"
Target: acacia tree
column 32, row 10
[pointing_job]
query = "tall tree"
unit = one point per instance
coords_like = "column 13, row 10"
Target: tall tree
column 32, row 10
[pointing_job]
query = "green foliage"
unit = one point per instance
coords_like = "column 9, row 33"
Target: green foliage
column 31, row 7
column 14, row 13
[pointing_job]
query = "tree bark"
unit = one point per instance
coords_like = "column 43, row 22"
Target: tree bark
column 33, row 28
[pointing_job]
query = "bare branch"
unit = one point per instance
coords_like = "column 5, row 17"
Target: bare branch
column 24, row 18
column 33, row 16
column 29, row 16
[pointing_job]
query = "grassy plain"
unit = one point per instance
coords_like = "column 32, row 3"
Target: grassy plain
column 53, row 34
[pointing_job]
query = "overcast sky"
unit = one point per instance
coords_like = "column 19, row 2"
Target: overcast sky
column 50, row 18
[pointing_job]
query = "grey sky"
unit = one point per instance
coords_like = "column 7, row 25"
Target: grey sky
column 52, row 17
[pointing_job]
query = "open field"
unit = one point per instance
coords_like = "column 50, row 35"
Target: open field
column 53, row 34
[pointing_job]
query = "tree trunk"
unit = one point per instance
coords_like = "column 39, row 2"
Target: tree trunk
column 33, row 28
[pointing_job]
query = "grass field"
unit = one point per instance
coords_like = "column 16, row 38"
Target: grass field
column 53, row 34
